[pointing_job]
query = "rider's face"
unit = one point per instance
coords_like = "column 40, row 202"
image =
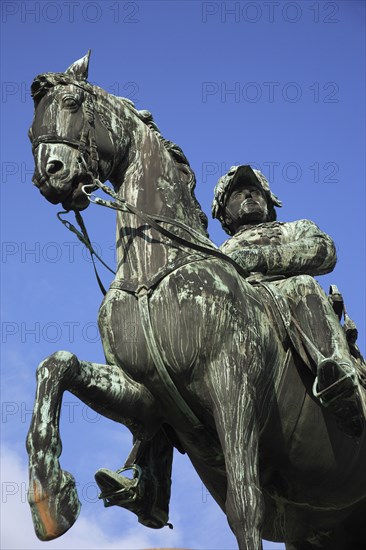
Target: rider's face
column 246, row 205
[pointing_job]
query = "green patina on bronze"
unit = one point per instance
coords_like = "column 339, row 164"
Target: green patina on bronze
column 237, row 357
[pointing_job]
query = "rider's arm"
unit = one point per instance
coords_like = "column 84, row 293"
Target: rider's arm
column 302, row 248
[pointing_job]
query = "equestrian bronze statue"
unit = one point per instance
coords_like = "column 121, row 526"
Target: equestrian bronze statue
column 239, row 358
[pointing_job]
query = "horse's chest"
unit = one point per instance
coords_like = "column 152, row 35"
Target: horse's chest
column 123, row 336
column 138, row 337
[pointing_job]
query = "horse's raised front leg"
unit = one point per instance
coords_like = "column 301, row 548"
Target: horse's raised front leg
column 234, row 413
column 52, row 495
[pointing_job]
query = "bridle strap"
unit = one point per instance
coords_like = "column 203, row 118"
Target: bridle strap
column 86, row 142
column 153, row 222
column 85, row 240
column 82, row 226
column 90, row 117
column 126, row 207
column 53, row 138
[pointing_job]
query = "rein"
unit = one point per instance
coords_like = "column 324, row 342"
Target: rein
column 85, row 240
column 153, row 221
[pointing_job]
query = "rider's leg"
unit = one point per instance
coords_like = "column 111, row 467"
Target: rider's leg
column 337, row 384
column 52, row 496
column 156, row 461
column 147, row 494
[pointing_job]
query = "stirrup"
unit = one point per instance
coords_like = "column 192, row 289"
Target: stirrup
column 319, row 394
column 343, row 392
column 125, row 494
column 130, row 497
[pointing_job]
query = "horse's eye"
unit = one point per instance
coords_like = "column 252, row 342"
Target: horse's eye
column 70, row 102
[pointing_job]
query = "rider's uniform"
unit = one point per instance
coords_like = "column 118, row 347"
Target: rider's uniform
column 282, row 248
column 287, row 255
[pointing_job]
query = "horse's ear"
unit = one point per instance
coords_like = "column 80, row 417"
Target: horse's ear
column 79, row 69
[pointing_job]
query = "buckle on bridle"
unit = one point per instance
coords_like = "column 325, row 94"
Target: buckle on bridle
column 92, row 198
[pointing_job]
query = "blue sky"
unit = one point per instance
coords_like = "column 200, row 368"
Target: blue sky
column 279, row 85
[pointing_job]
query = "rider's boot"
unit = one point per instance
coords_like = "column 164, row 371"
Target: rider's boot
column 138, row 495
column 148, row 494
column 337, row 384
column 337, row 387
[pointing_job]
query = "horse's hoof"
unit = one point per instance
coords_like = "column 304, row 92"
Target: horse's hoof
column 56, row 510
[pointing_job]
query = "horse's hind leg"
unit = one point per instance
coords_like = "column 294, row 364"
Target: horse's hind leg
column 234, row 413
column 52, row 494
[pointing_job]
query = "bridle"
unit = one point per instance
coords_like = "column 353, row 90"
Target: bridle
column 87, row 142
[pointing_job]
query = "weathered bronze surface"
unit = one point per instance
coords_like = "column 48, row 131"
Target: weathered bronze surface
column 224, row 361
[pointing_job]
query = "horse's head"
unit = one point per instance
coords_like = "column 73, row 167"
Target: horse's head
column 71, row 144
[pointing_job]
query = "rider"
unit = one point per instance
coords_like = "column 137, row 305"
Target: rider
column 286, row 255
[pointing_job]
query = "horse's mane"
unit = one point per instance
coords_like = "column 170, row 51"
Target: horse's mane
column 176, row 153
column 44, row 82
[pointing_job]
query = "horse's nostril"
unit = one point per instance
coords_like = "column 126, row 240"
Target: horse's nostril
column 54, row 166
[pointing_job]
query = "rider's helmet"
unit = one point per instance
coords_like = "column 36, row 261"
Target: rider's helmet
column 242, row 174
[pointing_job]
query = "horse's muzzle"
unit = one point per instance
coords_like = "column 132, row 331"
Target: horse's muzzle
column 77, row 199
column 69, row 194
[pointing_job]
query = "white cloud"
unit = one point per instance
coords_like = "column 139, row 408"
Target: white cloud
column 88, row 533
column 204, row 526
column 200, row 525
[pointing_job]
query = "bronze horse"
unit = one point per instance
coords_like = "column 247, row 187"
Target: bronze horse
column 206, row 359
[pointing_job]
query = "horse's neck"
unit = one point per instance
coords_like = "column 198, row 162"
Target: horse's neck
column 155, row 185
